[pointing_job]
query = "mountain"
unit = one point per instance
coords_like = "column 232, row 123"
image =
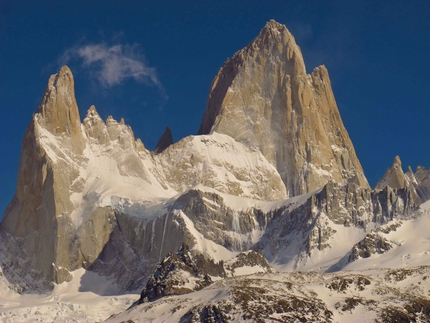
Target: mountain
column 262, row 97
column 254, row 218
column 80, row 185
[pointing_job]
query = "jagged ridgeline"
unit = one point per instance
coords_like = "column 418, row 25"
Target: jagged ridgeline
column 272, row 170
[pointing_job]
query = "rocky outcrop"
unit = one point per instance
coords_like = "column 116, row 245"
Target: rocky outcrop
column 373, row 243
column 54, row 213
column 181, row 273
column 306, row 230
column 186, row 271
column 58, row 112
column 249, row 262
column 394, row 176
column 165, row 141
column 263, row 98
column 417, row 184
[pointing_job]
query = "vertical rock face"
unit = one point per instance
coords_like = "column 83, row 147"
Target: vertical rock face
column 263, row 98
column 58, row 111
column 38, row 212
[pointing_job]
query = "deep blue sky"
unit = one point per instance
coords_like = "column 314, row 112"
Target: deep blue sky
column 377, row 54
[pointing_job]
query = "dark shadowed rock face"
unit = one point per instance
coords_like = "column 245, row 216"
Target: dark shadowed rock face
column 165, row 141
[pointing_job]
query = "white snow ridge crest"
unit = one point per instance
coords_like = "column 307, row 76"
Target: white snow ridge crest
column 265, row 216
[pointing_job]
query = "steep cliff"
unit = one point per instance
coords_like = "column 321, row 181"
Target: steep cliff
column 263, row 98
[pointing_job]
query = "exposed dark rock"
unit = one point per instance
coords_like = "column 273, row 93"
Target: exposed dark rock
column 373, row 243
column 180, row 273
column 251, row 259
column 342, row 283
column 165, row 141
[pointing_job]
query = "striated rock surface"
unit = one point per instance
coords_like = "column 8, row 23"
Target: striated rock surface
column 39, row 209
column 263, row 98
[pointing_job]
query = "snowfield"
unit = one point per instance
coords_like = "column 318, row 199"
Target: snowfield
column 87, row 298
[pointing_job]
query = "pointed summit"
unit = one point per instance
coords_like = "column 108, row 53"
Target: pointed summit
column 397, row 163
column 263, row 98
column 397, row 180
column 393, row 177
column 58, row 108
column 278, row 40
column 165, row 141
column 93, row 124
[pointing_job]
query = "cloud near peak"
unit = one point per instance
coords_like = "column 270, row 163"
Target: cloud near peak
column 112, row 65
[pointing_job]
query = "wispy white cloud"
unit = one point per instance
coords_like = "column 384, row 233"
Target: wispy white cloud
column 111, row 65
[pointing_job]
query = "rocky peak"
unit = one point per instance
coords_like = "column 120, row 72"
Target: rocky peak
column 397, row 180
column 278, row 40
column 397, row 163
column 93, row 123
column 92, row 113
column 394, row 176
column 263, row 98
column 274, row 40
column 165, row 141
column 58, row 109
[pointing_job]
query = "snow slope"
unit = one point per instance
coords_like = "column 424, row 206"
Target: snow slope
column 410, row 244
column 68, row 302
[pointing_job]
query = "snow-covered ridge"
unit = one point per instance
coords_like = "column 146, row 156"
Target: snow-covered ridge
column 116, row 170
